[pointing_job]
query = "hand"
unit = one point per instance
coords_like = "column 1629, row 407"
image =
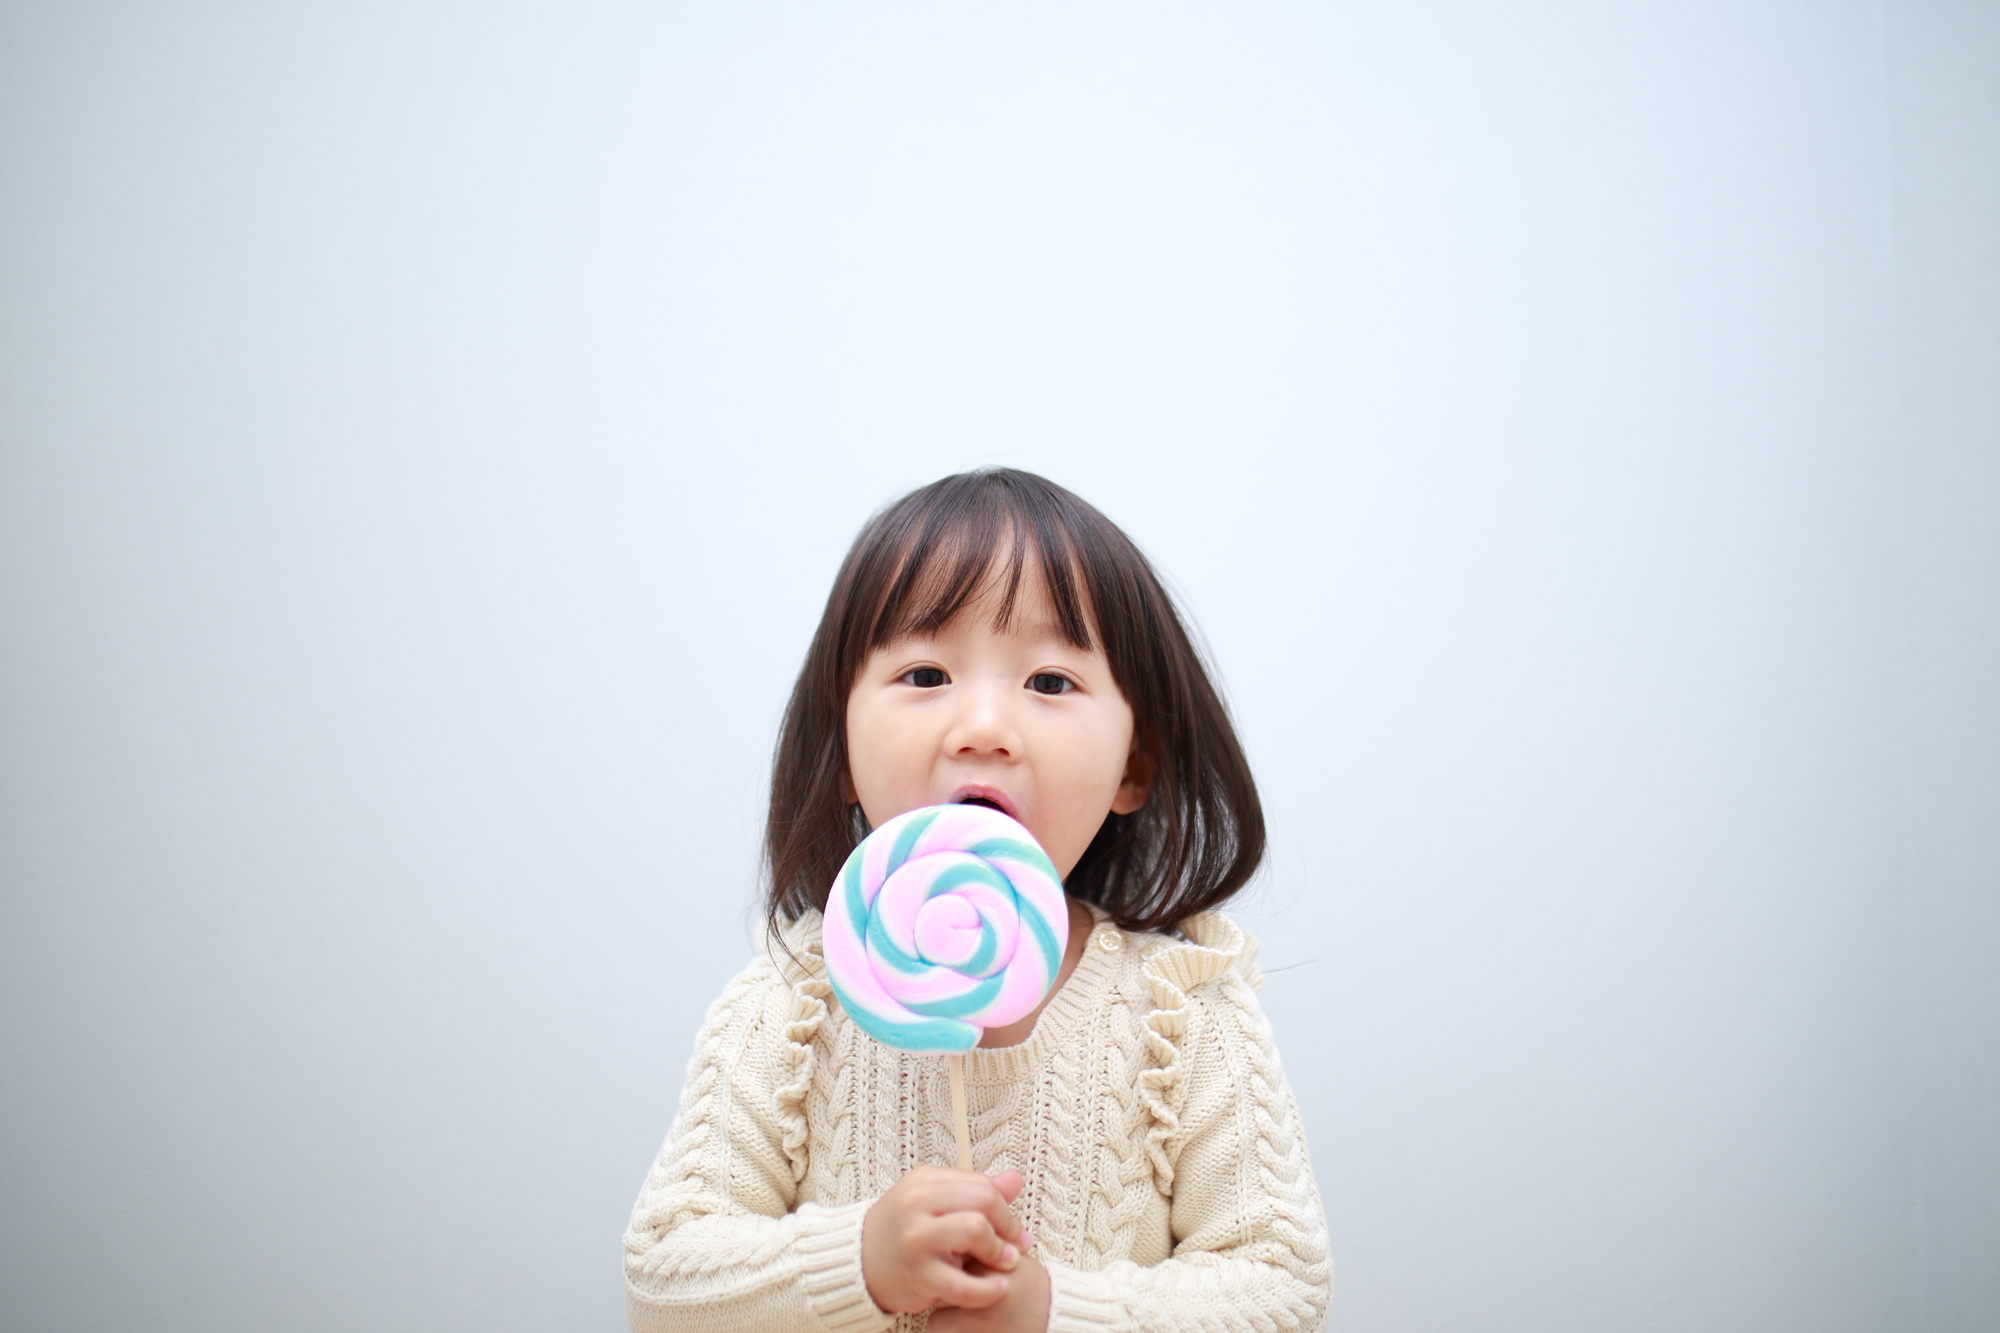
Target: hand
column 919, row 1240
column 1024, row 1309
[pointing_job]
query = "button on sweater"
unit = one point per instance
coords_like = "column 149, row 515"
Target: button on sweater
column 1166, row 1181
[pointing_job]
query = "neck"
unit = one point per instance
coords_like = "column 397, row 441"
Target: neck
column 1080, row 924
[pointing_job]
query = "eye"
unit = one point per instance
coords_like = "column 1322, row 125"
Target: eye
column 926, row 678
column 1048, row 682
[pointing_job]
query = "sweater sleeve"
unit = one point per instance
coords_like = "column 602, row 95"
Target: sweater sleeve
column 718, row 1239
column 1250, row 1242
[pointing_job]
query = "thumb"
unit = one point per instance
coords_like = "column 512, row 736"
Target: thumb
column 1009, row 1185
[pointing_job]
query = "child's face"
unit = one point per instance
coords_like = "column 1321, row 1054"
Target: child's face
column 1018, row 718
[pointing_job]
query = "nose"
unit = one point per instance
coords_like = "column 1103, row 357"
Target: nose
column 983, row 724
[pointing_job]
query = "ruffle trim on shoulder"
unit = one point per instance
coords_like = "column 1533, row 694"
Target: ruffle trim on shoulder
column 805, row 971
column 1215, row 945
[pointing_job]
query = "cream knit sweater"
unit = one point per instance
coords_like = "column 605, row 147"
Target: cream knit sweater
column 1167, row 1185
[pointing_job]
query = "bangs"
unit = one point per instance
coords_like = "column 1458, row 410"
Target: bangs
column 951, row 553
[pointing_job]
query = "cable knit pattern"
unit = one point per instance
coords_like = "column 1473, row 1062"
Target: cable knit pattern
column 1166, row 1178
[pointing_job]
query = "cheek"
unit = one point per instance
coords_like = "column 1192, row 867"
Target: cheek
column 1099, row 756
column 885, row 751
column 1117, row 749
column 863, row 752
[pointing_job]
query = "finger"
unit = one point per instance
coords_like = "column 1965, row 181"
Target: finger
column 976, row 1240
column 990, row 1203
column 972, row 1236
column 969, row 1192
column 955, row 1286
column 1009, row 1185
column 1001, row 1216
column 957, row 1188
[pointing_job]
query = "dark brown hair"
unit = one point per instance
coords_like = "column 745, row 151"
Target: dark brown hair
column 916, row 565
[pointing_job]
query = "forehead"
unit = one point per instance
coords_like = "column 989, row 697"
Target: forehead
column 1015, row 585
column 1031, row 616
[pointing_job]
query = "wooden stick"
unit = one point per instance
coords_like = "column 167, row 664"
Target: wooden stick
column 958, row 1112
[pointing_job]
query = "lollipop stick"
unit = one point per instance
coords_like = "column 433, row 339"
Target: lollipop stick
column 957, row 1063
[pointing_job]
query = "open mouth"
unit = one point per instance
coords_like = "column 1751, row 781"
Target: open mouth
column 992, row 798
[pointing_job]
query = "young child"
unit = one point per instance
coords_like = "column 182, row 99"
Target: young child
column 992, row 638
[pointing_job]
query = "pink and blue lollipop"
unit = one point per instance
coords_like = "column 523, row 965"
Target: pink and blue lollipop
column 945, row 921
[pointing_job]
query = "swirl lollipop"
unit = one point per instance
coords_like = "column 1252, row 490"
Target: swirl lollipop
column 944, row 922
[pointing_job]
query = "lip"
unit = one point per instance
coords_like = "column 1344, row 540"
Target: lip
column 993, row 794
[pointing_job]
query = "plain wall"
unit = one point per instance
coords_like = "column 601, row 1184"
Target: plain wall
column 1946, row 122
column 427, row 434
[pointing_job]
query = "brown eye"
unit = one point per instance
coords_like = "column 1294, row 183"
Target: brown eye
column 925, row 678
column 1048, row 682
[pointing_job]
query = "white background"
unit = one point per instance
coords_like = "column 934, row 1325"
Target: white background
column 430, row 432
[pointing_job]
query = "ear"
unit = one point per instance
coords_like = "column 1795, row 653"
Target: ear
column 848, row 796
column 1136, row 785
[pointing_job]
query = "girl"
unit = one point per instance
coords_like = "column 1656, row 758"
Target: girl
column 992, row 638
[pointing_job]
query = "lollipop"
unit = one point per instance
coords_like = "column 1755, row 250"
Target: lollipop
column 945, row 921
